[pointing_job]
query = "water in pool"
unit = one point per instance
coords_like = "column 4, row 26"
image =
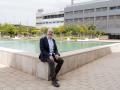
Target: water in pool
column 33, row 45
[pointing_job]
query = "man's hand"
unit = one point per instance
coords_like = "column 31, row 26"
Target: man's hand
column 51, row 58
column 57, row 57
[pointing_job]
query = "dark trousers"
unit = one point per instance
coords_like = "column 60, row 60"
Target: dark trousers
column 54, row 70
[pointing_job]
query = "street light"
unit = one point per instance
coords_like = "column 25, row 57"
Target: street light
column 72, row 2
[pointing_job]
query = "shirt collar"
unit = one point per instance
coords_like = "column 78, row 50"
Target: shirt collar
column 49, row 38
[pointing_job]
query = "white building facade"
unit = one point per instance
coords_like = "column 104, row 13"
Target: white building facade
column 49, row 20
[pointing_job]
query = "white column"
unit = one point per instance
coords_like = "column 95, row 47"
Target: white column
column 107, row 19
column 83, row 18
column 95, row 16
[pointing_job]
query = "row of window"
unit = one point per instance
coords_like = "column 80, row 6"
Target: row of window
column 38, row 17
column 115, row 7
column 92, row 10
column 111, row 17
column 50, row 22
column 51, row 16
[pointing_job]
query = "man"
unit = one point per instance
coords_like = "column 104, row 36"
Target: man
column 49, row 53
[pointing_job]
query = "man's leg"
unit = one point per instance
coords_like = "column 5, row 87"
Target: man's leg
column 52, row 72
column 51, row 68
column 59, row 62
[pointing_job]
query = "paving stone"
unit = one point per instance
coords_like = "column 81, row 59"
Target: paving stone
column 102, row 74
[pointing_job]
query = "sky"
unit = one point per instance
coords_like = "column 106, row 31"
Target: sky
column 24, row 11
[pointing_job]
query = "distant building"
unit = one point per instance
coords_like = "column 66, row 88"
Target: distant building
column 104, row 14
column 54, row 19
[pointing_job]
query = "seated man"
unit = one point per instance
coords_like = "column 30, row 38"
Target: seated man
column 49, row 53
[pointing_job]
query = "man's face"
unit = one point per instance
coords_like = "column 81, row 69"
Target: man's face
column 50, row 34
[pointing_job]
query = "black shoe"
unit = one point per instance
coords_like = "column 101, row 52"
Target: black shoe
column 49, row 79
column 55, row 84
column 57, row 79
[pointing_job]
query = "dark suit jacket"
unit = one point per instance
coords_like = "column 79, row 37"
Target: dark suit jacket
column 44, row 49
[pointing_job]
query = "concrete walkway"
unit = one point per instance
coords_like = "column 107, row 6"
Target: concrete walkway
column 102, row 74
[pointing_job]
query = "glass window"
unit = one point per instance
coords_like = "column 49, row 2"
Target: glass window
column 61, row 15
column 101, row 9
column 57, row 22
column 118, row 7
column 80, row 19
column 71, row 12
column 49, row 22
column 89, row 10
column 46, row 22
column 43, row 23
column 113, row 8
column 89, row 18
column 76, row 19
column 101, row 18
column 78, row 12
column 38, row 17
column 114, row 17
column 69, row 20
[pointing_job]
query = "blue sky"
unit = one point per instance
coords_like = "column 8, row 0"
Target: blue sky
column 24, row 11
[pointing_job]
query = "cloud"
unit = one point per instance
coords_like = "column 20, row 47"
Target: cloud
column 14, row 11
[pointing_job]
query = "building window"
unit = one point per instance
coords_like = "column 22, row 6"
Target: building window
column 78, row 12
column 101, row 18
column 38, row 17
column 111, row 17
column 89, row 10
column 67, row 13
column 76, row 19
column 101, row 9
column 46, row 22
column 117, row 16
column 43, row 23
column 38, row 23
column 53, row 16
column 69, row 20
column 113, row 8
column 50, row 22
column 89, row 18
column 61, row 15
column 80, row 19
column 118, row 7
column 57, row 21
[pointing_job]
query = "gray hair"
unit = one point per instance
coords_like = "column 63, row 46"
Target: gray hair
column 49, row 30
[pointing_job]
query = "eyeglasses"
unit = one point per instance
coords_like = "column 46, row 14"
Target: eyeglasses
column 50, row 34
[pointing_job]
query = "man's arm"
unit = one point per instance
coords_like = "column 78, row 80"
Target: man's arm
column 42, row 48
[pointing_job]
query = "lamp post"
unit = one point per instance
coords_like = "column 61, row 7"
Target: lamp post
column 72, row 2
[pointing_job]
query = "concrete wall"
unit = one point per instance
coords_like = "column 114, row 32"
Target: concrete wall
column 29, row 63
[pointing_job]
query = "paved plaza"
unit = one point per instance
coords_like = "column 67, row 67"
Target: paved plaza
column 102, row 74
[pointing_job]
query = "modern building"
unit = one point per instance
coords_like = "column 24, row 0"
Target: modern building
column 54, row 19
column 104, row 14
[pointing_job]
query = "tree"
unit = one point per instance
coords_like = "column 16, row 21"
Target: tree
column 8, row 29
column 35, row 32
column 44, row 30
column 56, row 30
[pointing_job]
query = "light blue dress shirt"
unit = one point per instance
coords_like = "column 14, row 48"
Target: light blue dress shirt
column 51, row 46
